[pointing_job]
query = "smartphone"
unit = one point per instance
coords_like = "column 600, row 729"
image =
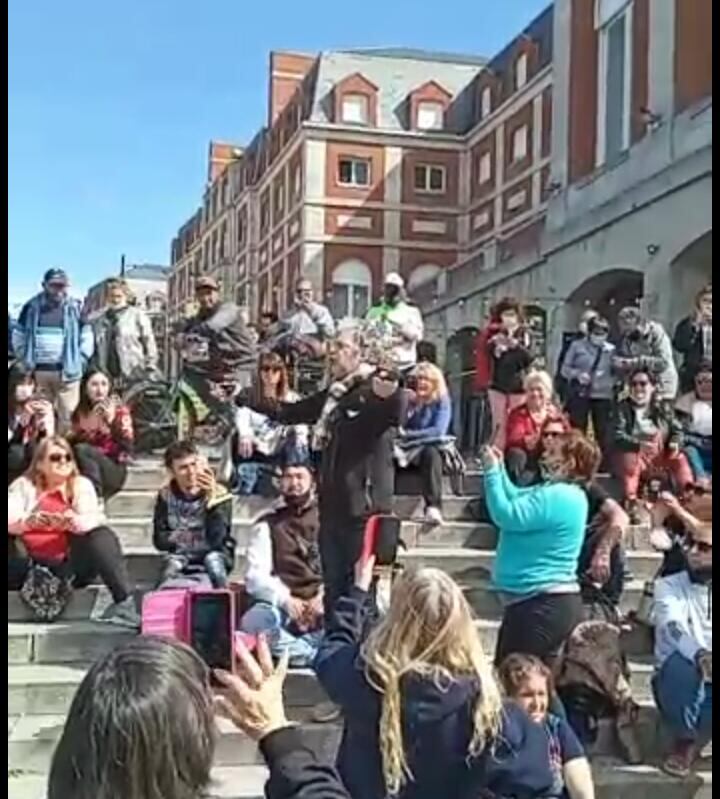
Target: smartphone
column 382, row 538
column 212, row 628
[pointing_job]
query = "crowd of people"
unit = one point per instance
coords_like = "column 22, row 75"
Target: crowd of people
column 332, row 413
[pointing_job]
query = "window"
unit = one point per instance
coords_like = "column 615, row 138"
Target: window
column 197, row 265
column 352, row 282
column 240, row 221
column 521, row 71
column 353, row 172
column 224, row 192
column 356, row 109
column 484, row 168
column 429, row 178
column 206, row 255
column 430, row 116
column 614, row 20
column 214, row 256
column 214, row 202
column 279, row 200
column 264, row 214
column 520, row 143
column 297, row 182
column 223, row 240
column 486, row 102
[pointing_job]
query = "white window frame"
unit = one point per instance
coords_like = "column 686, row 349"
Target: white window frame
column 349, row 116
column 607, row 14
column 485, row 168
column 353, row 182
column 429, row 168
column 521, row 71
column 519, row 153
column 351, row 275
column 486, row 102
column 434, row 107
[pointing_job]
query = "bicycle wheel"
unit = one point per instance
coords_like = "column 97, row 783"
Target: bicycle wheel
column 152, row 405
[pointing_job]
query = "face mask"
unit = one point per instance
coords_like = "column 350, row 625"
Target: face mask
column 24, row 393
column 636, row 335
column 392, row 294
column 598, row 341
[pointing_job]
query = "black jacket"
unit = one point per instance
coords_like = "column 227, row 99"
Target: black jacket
column 661, row 414
column 688, row 341
column 231, row 345
column 295, row 772
column 357, row 424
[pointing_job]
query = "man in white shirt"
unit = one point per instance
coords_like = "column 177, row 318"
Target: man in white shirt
column 283, row 575
column 310, row 325
column 683, row 653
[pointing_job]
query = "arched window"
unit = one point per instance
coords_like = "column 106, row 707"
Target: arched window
column 351, row 289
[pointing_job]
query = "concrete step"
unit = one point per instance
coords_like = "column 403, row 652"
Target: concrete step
column 47, row 689
column 613, row 780
column 140, row 504
column 32, row 741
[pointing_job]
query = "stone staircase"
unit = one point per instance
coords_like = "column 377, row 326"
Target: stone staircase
column 46, row 662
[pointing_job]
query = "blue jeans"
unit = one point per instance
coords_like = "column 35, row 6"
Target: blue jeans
column 700, row 461
column 684, row 699
column 274, row 622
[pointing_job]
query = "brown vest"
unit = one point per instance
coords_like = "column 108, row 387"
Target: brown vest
column 296, row 555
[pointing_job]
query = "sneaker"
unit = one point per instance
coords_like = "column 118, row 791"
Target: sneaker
column 679, row 762
column 123, row 614
column 326, row 712
column 433, row 516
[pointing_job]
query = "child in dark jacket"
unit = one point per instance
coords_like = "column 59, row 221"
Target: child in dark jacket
column 192, row 522
column 418, row 695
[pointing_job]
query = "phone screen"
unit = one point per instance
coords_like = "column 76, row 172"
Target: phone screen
column 210, row 629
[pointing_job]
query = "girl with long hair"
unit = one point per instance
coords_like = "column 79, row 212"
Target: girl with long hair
column 424, row 432
column 102, row 434
column 258, row 439
column 55, row 520
column 418, row 694
column 30, row 419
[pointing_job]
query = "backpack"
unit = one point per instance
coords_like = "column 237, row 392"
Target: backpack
column 45, row 593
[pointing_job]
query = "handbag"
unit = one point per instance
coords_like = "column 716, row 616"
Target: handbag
column 45, row 592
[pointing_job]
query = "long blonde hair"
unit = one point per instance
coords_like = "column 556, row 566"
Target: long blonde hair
column 429, row 631
column 34, row 472
column 431, row 372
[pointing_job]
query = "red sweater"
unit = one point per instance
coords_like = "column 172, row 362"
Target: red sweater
column 523, row 431
column 46, row 544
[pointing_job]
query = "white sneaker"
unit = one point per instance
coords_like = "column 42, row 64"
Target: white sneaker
column 433, row 516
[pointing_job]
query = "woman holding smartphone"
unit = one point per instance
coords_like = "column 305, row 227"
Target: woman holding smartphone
column 55, row 521
column 102, row 434
column 30, row 419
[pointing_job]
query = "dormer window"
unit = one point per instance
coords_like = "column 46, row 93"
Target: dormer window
column 430, row 115
column 521, row 71
column 486, row 102
column 355, row 109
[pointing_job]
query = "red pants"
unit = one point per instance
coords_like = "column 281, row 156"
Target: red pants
column 633, row 465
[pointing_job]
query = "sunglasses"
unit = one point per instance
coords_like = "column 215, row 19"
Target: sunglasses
column 270, row 369
column 552, row 434
column 57, row 457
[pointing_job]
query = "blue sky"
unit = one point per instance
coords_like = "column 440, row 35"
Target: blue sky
column 111, row 107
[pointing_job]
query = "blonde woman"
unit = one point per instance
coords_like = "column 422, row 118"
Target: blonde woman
column 427, row 425
column 418, row 695
column 55, row 521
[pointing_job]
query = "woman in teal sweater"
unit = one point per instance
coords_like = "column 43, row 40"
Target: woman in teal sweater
column 541, row 531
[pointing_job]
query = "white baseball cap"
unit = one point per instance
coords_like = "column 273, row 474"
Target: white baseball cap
column 394, row 279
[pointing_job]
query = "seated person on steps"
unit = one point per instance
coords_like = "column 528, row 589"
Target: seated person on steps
column 192, row 522
column 683, row 653
column 283, row 574
column 694, row 411
column 30, row 419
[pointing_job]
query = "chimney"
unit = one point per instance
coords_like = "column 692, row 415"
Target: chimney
column 287, row 71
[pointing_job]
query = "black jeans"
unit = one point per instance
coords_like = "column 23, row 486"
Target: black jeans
column 93, row 554
column 538, row 626
column 582, row 409
column 381, row 473
column 107, row 475
column 341, row 542
column 431, row 472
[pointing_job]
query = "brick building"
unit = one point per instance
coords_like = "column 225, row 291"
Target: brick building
column 573, row 168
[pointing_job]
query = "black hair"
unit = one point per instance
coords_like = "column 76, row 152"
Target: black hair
column 179, row 450
column 17, row 375
column 642, row 370
column 598, row 323
column 85, row 406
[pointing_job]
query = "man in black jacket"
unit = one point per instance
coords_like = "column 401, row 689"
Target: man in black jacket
column 192, row 521
column 355, row 420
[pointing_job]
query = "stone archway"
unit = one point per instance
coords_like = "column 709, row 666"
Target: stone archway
column 690, row 271
column 606, row 292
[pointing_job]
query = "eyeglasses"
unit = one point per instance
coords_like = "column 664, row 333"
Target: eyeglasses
column 58, row 457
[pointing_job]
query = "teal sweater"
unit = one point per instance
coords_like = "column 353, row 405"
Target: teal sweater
column 541, row 532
